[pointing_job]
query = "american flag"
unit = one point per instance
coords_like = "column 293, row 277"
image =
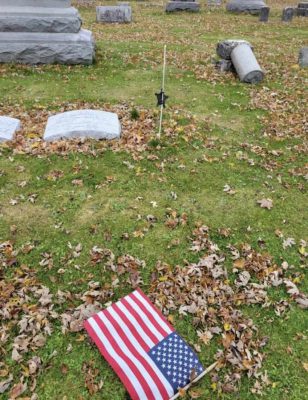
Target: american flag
column 150, row 358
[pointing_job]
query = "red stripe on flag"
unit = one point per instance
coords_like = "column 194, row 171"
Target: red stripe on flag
column 156, row 310
column 117, row 369
column 132, row 328
column 139, row 357
column 127, row 359
column 148, row 332
column 149, row 315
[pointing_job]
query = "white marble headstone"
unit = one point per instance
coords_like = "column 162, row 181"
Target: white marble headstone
column 83, row 124
column 8, row 127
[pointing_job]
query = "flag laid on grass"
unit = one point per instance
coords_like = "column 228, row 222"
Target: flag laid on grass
column 144, row 350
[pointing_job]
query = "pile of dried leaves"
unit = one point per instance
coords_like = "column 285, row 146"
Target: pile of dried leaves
column 206, row 291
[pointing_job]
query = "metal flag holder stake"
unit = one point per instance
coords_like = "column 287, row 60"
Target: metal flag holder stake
column 206, row 371
column 161, row 96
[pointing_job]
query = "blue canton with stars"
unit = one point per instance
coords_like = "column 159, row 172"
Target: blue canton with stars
column 176, row 360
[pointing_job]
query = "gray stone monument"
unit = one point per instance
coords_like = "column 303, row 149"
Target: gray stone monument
column 245, row 6
column 287, row 14
column 8, row 127
column 302, row 9
column 240, row 52
column 182, row 5
column 303, row 57
column 43, row 32
column 120, row 13
column 93, row 124
column 264, row 14
column 214, row 3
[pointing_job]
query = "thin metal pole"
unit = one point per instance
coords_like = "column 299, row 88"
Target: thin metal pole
column 163, row 89
column 206, row 371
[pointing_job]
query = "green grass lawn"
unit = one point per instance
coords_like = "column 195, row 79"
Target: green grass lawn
column 217, row 132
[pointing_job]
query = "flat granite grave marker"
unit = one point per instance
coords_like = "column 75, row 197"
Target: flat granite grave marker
column 8, row 127
column 182, row 5
column 248, row 6
column 264, row 14
column 93, row 124
column 287, row 14
column 119, row 13
column 214, row 3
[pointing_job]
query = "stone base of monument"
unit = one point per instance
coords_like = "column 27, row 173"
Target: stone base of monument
column 225, row 48
column 83, row 124
column 8, row 127
column 35, row 3
column 243, row 60
column 303, row 57
column 119, row 13
column 245, row 6
column 173, row 6
column 47, row 48
column 39, row 19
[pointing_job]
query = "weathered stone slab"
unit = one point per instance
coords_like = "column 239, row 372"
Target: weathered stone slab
column 264, row 14
column 224, row 66
column 39, row 19
column 224, row 48
column 36, row 3
column 83, row 124
column 303, row 4
column 248, row 6
column 287, row 14
column 303, row 57
column 47, row 48
column 246, row 64
column 214, row 3
column 173, row 6
column 8, row 127
column 301, row 11
column 120, row 13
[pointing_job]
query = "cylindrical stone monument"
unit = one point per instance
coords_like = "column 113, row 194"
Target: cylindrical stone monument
column 246, row 64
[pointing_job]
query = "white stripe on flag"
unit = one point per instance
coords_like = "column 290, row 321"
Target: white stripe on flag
column 122, row 364
column 133, row 320
column 146, row 320
column 144, row 354
column 125, row 349
column 153, row 312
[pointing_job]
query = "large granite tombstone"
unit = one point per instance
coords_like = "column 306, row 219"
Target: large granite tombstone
column 43, row 32
column 47, row 48
column 8, row 127
column 83, row 124
column 118, row 13
column 182, row 5
column 245, row 6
